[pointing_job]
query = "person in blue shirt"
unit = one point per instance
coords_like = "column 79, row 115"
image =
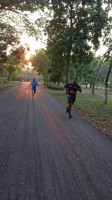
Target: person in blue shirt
column 34, row 83
column 72, row 89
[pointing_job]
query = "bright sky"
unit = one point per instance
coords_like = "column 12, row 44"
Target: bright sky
column 101, row 50
column 34, row 44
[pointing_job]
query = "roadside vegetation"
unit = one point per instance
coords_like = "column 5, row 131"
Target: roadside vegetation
column 8, row 84
column 91, row 107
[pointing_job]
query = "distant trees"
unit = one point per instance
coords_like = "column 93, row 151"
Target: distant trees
column 86, row 72
column 14, row 61
column 41, row 64
column 7, row 37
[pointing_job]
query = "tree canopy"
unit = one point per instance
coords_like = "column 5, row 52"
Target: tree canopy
column 77, row 25
column 41, row 64
column 22, row 5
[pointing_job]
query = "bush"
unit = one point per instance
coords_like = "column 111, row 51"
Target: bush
column 110, row 84
column 55, row 87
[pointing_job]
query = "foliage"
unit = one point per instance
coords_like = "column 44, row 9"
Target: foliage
column 57, row 70
column 75, row 24
column 14, row 60
column 110, row 84
column 7, row 37
column 14, row 21
column 41, row 64
column 8, row 84
column 87, row 72
column 22, row 5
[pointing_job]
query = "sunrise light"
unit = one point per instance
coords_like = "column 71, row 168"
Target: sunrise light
column 27, row 56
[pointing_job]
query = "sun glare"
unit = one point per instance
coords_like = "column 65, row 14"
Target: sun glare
column 27, row 56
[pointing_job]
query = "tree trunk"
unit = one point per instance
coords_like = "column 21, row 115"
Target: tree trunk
column 58, row 80
column 70, row 42
column 67, row 70
column 106, row 84
column 74, row 71
column 96, row 75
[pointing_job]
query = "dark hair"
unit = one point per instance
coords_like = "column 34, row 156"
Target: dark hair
column 75, row 79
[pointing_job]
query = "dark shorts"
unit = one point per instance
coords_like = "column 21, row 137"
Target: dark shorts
column 34, row 91
column 71, row 98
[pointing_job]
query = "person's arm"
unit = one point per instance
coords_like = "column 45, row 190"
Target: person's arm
column 30, row 85
column 80, row 89
column 66, row 86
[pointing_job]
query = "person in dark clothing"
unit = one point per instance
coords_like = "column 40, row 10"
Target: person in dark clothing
column 72, row 89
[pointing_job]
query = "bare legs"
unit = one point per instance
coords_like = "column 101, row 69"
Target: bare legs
column 69, row 110
column 33, row 93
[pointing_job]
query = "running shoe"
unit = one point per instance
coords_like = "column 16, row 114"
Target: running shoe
column 70, row 116
column 67, row 109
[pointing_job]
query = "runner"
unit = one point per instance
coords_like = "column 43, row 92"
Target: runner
column 71, row 94
column 34, row 83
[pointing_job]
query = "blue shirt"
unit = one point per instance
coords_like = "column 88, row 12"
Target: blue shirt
column 34, row 83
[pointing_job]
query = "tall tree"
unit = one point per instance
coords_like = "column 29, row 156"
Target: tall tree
column 96, row 74
column 106, row 82
column 109, row 59
column 78, row 24
column 108, row 42
column 22, row 5
column 15, row 60
column 58, row 62
column 7, row 37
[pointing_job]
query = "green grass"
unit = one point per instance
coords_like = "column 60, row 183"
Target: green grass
column 55, row 87
column 8, row 84
column 91, row 106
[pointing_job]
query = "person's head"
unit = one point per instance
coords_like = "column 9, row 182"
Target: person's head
column 33, row 79
column 75, row 81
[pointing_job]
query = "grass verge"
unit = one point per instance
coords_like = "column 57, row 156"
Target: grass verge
column 8, row 84
column 91, row 107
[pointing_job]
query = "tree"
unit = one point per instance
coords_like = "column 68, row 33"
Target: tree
column 15, row 60
column 18, row 12
column 41, row 64
column 7, row 37
column 76, row 24
column 108, row 42
column 57, row 63
column 22, row 5
column 86, row 72
column 109, row 58
column 106, row 83
column 14, row 21
column 96, row 74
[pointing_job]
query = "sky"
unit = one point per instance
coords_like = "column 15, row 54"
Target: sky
column 31, row 41
column 34, row 44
